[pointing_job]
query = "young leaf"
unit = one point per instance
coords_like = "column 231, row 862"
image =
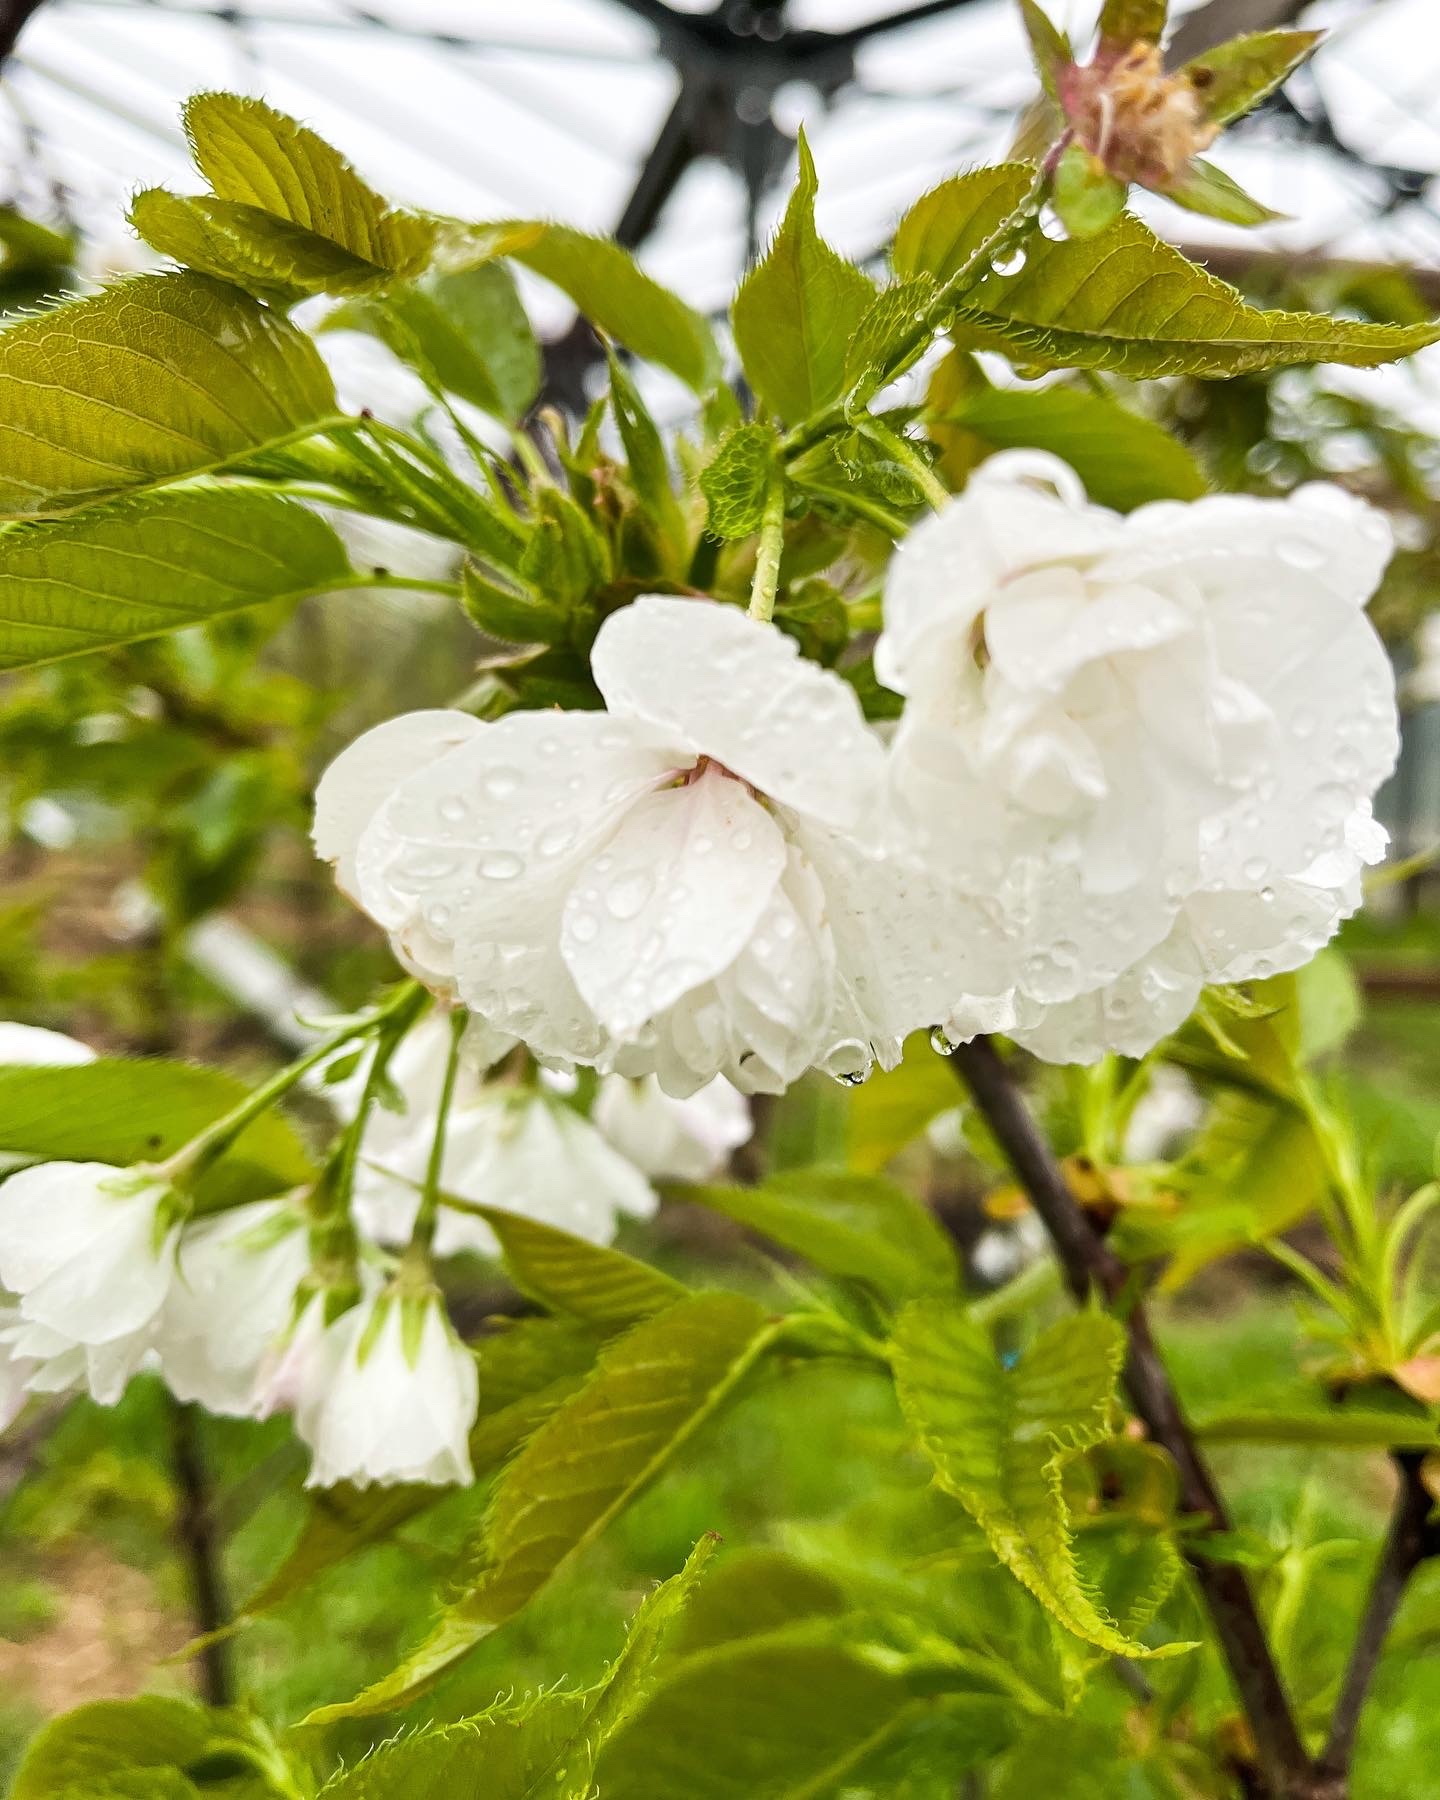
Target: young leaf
column 125, row 1112
column 465, row 332
column 255, row 156
column 652, row 1389
column 613, row 292
column 736, row 481
column 1123, row 459
column 797, row 309
column 588, row 1281
column 896, row 1105
column 1048, row 45
column 785, row 1720
column 860, row 1226
column 888, row 320
column 565, row 559
column 509, row 1748
column 1235, row 76
column 512, row 617
column 139, row 567
column 269, row 257
column 143, row 1747
column 999, row 1439
column 944, row 228
column 1126, row 21
column 649, row 467
column 1126, row 301
column 1208, row 190
column 158, row 377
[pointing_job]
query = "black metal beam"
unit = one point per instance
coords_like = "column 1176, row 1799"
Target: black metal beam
column 14, row 16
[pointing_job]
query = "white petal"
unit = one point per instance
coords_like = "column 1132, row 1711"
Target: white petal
column 83, row 1258
column 364, row 774
column 671, row 900
column 739, row 691
column 673, row 1140
column 31, row 1046
column 1129, row 1016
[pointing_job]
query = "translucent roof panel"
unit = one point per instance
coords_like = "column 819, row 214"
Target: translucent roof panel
column 555, row 108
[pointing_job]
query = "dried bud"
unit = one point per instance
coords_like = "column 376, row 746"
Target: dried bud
column 1141, row 124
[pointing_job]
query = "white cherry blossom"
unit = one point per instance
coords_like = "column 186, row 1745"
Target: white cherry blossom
column 298, row 1367
column 400, row 1397
column 673, row 1140
column 690, row 883
column 233, row 1295
column 88, row 1252
column 514, row 1145
column 1152, row 741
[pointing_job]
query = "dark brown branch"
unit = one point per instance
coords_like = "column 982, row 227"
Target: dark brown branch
column 1089, row 1264
column 14, row 14
column 1409, row 1541
column 195, row 1527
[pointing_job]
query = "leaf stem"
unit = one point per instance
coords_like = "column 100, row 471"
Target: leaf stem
column 767, row 557
column 207, row 1146
column 422, row 1235
column 1089, row 1264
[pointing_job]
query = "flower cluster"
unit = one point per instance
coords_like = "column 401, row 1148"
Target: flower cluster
column 108, row 1271
column 1137, row 755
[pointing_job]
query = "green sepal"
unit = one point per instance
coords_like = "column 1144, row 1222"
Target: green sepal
column 1232, row 78
column 1087, row 197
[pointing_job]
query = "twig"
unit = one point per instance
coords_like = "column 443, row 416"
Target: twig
column 1409, row 1541
column 1089, row 1263
column 196, row 1529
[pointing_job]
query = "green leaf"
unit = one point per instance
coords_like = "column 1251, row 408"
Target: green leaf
column 1123, row 459
column 140, row 567
column 143, row 1747
column 501, row 1754
column 158, row 377
column 1347, row 1428
column 860, row 1226
column 1128, row 302
column 888, row 321
column 797, row 309
column 1202, row 188
column 1048, row 45
column 778, row 1720
column 752, row 1592
column 999, row 1440
column 269, row 257
column 126, row 1112
column 1087, row 197
column 651, row 1390
column 509, row 615
column 464, row 331
column 895, row 1106
column 613, row 292
column 1125, row 21
column 1237, row 75
column 254, row 156
column 943, row 229
column 737, row 479
column 649, row 468
column 525, row 1373
column 604, row 1287
column 565, row 559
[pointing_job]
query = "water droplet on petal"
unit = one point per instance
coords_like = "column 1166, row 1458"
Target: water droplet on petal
column 455, row 808
column 1009, row 265
column 500, row 784
column 584, row 928
column 1301, row 553
column 499, row 865
column 941, row 1041
column 555, row 840
column 628, row 895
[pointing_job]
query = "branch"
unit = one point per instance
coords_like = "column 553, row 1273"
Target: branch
column 1089, row 1263
column 196, row 1529
column 13, row 17
column 1409, row 1541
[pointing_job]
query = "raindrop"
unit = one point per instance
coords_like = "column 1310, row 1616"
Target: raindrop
column 1302, row 722
column 941, row 1041
column 1009, row 265
column 1255, row 868
column 555, row 840
column 852, row 1078
column 500, row 784
column 628, row 895
column 455, row 808
column 1267, row 895
column 584, row 928
column 499, row 865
